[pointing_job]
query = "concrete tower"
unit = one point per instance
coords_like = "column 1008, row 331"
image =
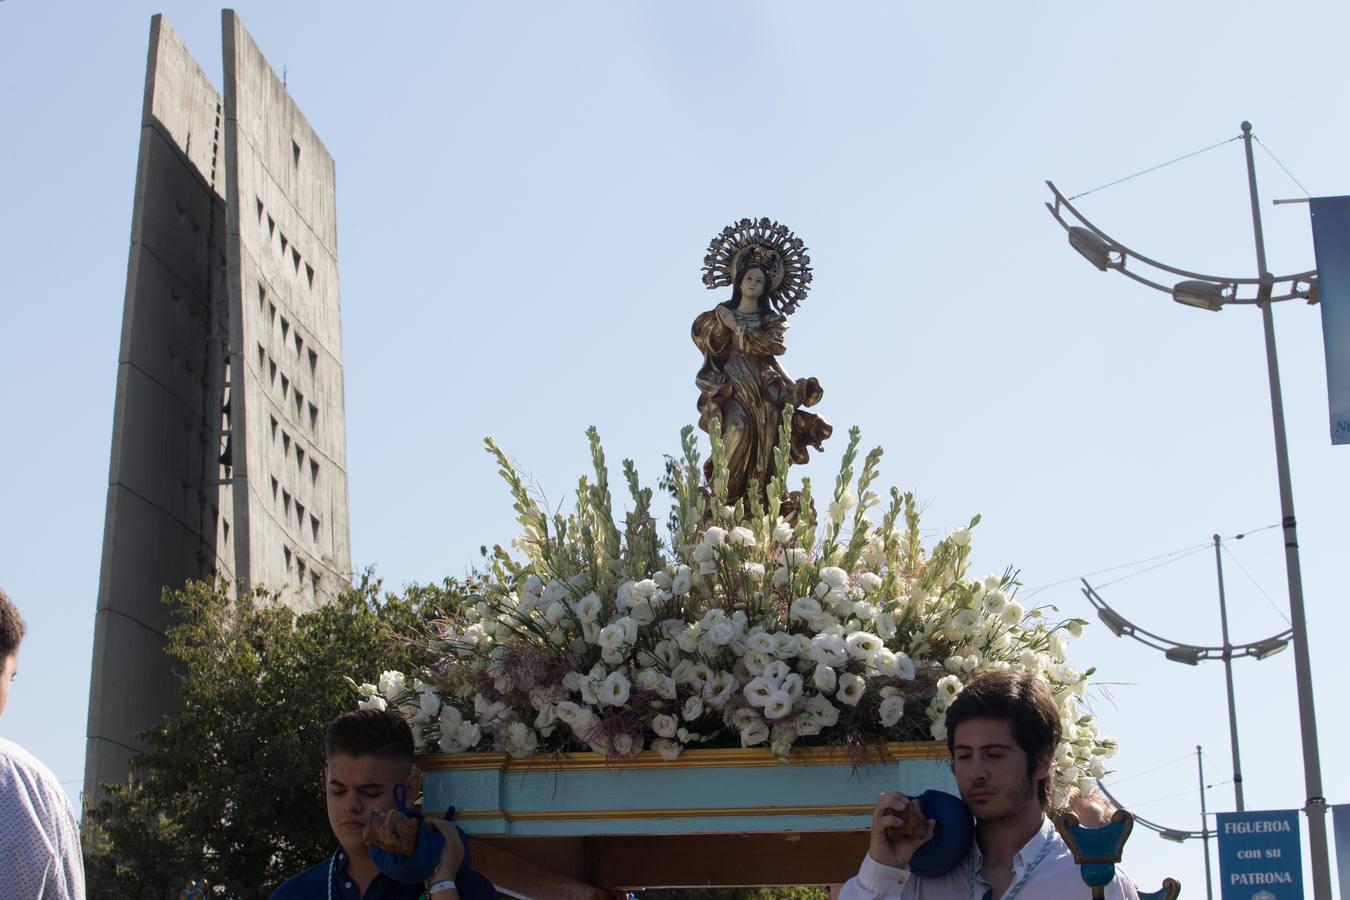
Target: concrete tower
column 229, row 451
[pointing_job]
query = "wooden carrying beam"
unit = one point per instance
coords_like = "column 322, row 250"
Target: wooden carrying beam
column 615, row 863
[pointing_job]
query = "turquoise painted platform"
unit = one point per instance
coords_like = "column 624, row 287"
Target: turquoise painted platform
column 701, row 792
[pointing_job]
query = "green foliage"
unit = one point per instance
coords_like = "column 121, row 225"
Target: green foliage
column 230, row 790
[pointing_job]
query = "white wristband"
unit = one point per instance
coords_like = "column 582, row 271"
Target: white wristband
column 445, row 885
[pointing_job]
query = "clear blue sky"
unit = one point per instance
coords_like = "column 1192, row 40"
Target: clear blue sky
column 525, row 192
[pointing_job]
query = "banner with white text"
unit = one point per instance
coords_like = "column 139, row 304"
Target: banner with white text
column 1260, row 855
column 1331, row 244
column 1340, row 823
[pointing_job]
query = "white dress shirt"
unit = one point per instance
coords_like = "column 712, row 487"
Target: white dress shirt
column 39, row 838
column 1055, row 877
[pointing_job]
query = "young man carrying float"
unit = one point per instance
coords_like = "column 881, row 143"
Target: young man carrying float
column 369, row 753
column 1002, row 730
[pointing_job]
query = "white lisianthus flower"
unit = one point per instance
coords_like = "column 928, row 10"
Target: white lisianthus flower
column 683, row 582
column 825, row 712
column 863, row 645
column 755, row 661
column 781, row 577
column 589, row 606
column 719, row 689
column 793, row 685
column 776, row 671
column 392, row 684
column 568, row 712
column 829, row 649
column 834, row 578
column 1074, row 627
column 722, row 633
column 714, row 536
column 864, row 611
column 794, row 557
column 947, row 689
column 851, row 689
column 612, row 637
column 642, row 613
column 761, row 641
column 885, row 625
column 870, row 581
column 939, row 730
column 960, row 537
column 1012, row 613
column 777, row 705
column 1059, row 646
column 428, row 706
column 995, row 601
column 468, row 734
column 782, row 533
column 373, row 703
column 754, row 570
column 758, row 690
column 614, row 690
column 668, row 749
column 756, row 732
column 664, row 725
column 824, row 678
column 1107, row 747
column 967, row 622
column 740, row 536
column 693, row 708
column 785, row 645
column 891, row 709
column 804, row 608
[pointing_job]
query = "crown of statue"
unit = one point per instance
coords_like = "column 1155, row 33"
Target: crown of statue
column 768, row 245
column 765, row 258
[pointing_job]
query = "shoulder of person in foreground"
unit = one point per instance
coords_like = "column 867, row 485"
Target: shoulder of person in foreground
column 311, row 883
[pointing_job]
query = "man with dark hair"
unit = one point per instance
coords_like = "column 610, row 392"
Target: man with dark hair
column 369, row 752
column 39, row 837
column 1002, row 731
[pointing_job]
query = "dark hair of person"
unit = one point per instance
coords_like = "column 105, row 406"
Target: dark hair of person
column 12, row 626
column 369, row 732
column 1021, row 699
column 735, row 300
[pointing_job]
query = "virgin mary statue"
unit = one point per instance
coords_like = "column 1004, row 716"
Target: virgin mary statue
column 742, row 387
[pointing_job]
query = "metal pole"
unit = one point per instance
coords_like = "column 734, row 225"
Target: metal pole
column 1228, row 677
column 1204, row 824
column 1316, row 806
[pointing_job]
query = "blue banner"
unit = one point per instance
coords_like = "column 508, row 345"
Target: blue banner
column 1331, row 244
column 1260, row 856
column 1340, row 822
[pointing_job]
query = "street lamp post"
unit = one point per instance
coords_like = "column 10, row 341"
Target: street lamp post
column 1228, row 680
column 1316, row 806
column 1213, row 293
column 1204, row 820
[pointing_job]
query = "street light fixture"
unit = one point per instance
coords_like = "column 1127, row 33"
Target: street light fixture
column 1185, row 654
column 1201, row 294
column 1262, row 290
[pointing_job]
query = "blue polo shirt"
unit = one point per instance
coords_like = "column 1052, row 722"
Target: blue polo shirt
column 312, row 884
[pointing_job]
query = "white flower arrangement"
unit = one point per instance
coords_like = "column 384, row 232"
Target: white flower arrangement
column 747, row 627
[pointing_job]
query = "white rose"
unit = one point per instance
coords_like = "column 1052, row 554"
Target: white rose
column 693, row 708
column 833, row 577
column 757, row 732
column 824, row 678
column 960, row 537
column 668, row 749
column 804, row 608
column 468, row 734
column 714, row 536
column 1012, row 613
column 664, row 725
column 373, row 703
column 392, row 684
column 741, row 536
column 755, row 571
column 782, row 533
column 794, row 557
column 891, row 709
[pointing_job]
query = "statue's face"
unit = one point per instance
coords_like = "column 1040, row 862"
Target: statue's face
column 752, row 284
